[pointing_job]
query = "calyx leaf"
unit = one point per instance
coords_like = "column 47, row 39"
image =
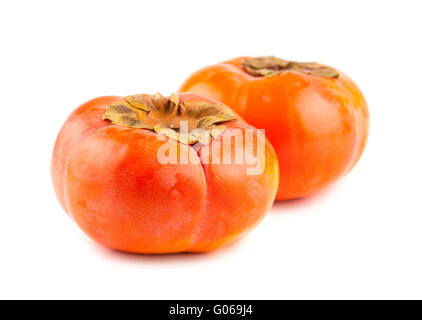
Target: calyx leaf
column 188, row 122
column 271, row 66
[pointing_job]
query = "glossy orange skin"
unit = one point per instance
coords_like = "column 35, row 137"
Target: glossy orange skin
column 110, row 182
column 318, row 126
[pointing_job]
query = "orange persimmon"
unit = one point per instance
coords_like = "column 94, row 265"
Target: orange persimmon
column 110, row 179
column 315, row 117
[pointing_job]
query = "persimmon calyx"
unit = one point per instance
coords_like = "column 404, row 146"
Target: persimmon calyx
column 188, row 122
column 271, row 66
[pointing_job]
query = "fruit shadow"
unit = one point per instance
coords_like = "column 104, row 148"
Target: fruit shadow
column 182, row 257
column 290, row 206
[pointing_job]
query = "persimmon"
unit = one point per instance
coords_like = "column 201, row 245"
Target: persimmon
column 315, row 116
column 114, row 175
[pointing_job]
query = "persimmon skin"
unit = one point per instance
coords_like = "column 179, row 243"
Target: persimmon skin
column 109, row 181
column 318, row 126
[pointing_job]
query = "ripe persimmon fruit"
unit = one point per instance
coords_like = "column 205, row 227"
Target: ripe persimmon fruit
column 110, row 179
column 315, row 116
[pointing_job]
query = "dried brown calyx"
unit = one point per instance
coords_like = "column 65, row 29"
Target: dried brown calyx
column 271, row 66
column 188, row 122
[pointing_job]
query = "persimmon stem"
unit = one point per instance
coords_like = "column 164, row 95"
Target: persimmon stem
column 202, row 120
column 272, row 66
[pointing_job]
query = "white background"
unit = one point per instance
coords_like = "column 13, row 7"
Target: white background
column 361, row 238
